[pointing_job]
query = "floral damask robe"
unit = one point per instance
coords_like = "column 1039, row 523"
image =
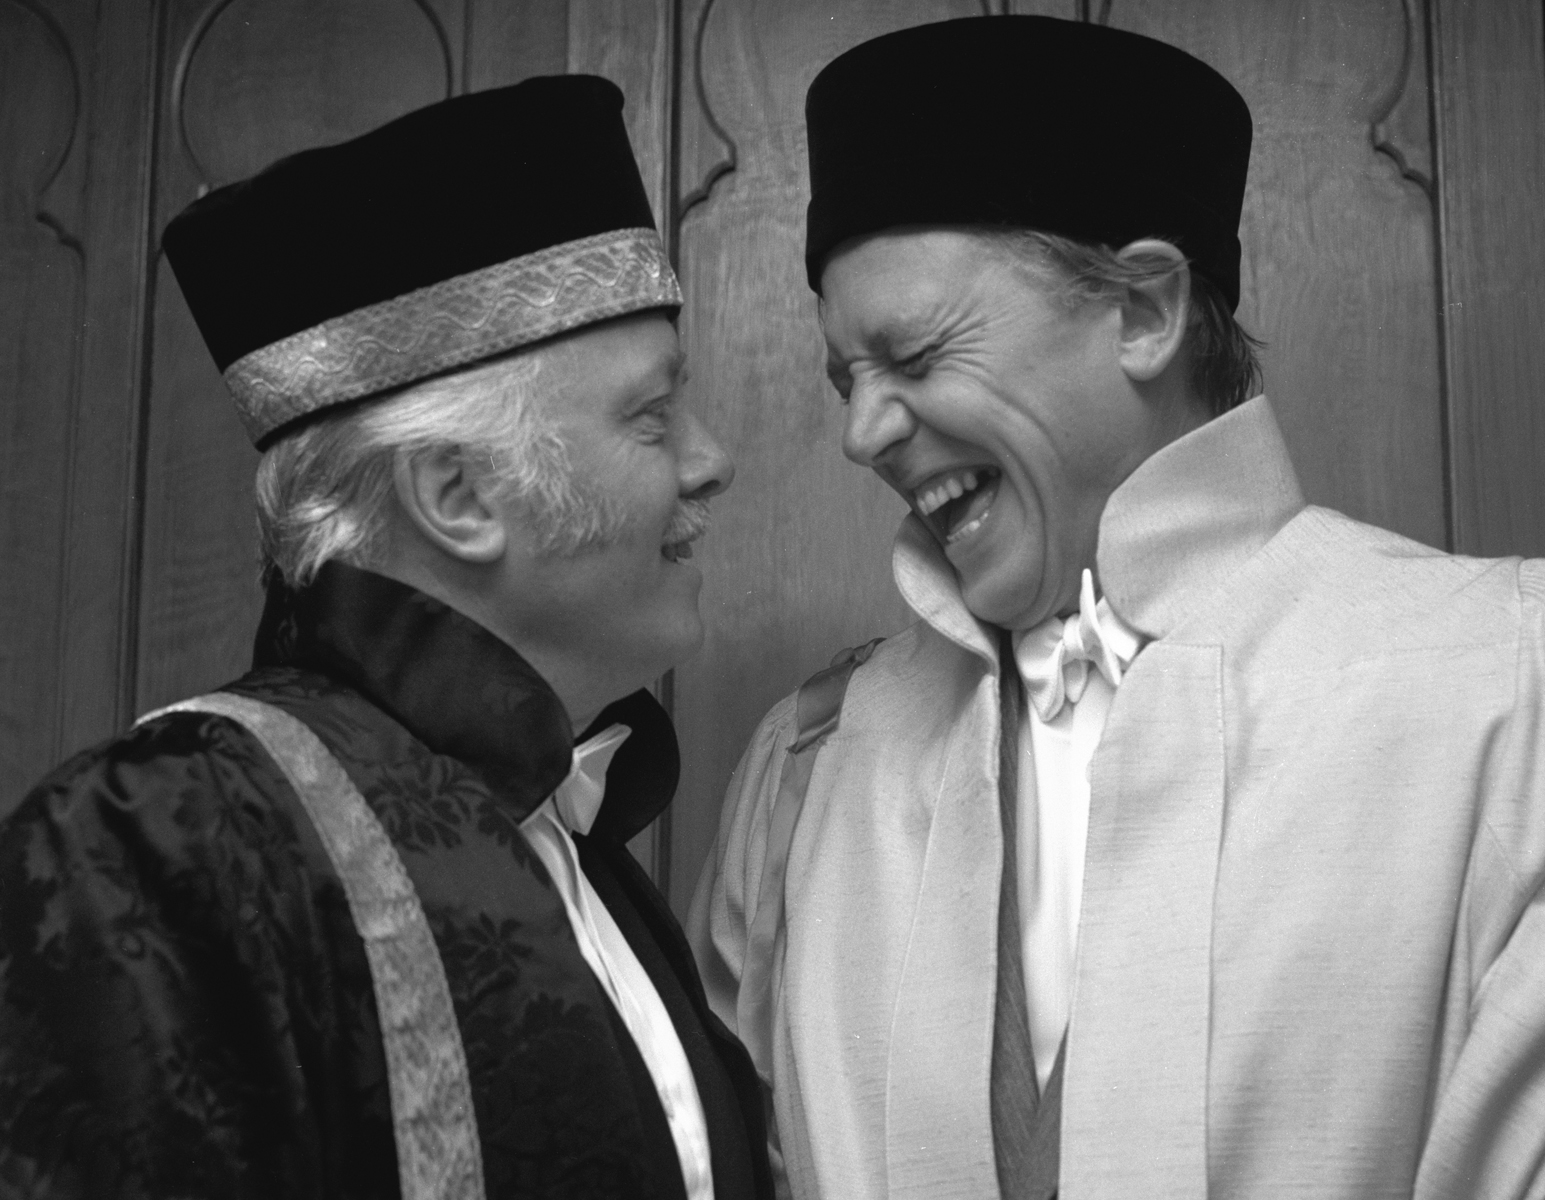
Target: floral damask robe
column 186, row 1008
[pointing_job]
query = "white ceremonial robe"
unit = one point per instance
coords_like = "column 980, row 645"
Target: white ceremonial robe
column 1311, row 953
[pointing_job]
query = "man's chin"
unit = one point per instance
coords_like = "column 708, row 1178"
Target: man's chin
column 679, row 643
column 691, row 641
column 999, row 598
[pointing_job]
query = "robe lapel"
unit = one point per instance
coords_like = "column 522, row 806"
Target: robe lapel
column 1135, row 1090
column 938, row 1125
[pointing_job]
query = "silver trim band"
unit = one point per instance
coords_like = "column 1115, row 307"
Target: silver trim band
column 439, row 1154
column 451, row 324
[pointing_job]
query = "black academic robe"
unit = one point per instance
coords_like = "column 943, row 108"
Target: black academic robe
column 186, row 1008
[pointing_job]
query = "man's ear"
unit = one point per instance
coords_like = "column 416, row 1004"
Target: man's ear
column 446, row 504
column 1155, row 313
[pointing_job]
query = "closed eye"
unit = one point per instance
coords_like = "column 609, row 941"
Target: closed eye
column 654, row 421
column 915, row 366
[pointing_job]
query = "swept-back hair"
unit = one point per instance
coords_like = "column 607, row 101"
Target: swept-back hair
column 1225, row 364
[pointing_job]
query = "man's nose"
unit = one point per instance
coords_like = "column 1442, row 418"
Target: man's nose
column 706, row 470
column 877, row 420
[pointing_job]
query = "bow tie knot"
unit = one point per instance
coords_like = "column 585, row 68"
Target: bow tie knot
column 1055, row 657
column 578, row 798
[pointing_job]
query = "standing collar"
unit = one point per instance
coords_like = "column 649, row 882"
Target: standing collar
column 1192, row 514
column 462, row 691
column 1177, row 528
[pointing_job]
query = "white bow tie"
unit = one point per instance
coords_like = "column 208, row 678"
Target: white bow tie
column 1055, row 656
column 578, row 798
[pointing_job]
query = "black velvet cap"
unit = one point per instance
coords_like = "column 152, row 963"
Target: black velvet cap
column 1031, row 122
column 277, row 267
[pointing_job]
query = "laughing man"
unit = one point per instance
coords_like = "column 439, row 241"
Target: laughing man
column 1191, row 842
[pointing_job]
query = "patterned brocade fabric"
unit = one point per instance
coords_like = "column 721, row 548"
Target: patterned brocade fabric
column 172, row 947
column 186, row 1008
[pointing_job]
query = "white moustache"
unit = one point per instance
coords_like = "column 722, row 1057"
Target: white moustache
column 688, row 523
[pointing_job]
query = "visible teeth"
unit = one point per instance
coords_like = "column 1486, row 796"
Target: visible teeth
column 967, row 529
column 940, row 494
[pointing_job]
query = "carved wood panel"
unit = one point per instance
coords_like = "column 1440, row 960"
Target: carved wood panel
column 1339, row 269
column 40, row 296
column 74, row 94
column 1490, row 106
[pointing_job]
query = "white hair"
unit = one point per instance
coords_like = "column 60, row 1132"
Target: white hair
column 325, row 491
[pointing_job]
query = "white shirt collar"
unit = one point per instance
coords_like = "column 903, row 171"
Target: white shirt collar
column 578, row 798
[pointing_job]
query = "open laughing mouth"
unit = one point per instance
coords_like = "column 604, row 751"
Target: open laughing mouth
column 955, row 503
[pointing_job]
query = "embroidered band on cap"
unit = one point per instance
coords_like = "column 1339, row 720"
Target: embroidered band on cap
column 450, row 324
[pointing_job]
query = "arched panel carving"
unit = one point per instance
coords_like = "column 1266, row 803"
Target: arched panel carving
column 705, row 154
column 798, row 562
column 40, row 296
column 259, row 79
column 1402, row 127
column 1339, row 266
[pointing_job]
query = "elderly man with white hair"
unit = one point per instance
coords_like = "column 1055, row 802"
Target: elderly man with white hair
column 363, row 923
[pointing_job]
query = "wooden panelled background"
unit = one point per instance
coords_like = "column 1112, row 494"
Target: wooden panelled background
column 1394, row 263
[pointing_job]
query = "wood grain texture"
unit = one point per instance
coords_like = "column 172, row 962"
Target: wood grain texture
column 114, row 185
column 41, row 295
column 95, row 204
column 1339, row 272
column 797, row 565
column 260, row 79
column 633, row 45
column 1068, row 10
column 506, row 42
column 1489, row 63
column 1403, row 128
